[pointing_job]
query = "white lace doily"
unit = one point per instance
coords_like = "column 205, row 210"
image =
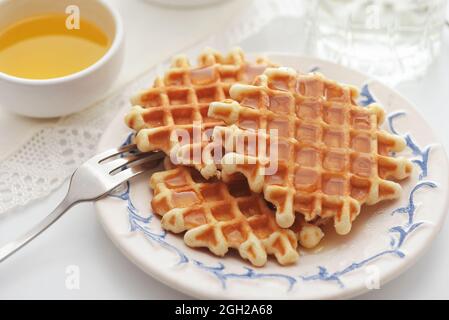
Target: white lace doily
column 46, row 160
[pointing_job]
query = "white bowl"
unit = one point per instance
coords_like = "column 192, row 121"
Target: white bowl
column 62, row 96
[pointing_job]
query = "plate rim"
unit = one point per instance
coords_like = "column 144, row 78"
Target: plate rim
column 390, row 274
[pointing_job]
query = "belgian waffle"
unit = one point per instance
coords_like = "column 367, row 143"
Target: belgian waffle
column 220, row 216
column 179, row 102
column 332, row 156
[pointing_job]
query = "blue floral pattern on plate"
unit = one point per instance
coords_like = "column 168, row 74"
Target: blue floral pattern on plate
column 398, row 234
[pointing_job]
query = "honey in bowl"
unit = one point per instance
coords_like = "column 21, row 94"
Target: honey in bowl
column 43, row 47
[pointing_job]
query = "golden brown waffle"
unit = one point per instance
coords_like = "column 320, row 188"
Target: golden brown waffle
column 220, row 216
column 332, row 156
column 180, row 101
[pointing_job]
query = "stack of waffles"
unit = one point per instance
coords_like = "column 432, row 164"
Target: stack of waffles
column 260, row 156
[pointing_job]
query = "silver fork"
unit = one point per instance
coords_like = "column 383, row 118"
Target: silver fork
column 91, row 181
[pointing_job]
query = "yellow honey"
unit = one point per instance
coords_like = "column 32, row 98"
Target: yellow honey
column 42, row 47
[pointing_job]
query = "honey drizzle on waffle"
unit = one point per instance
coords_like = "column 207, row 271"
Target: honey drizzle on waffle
column 332, row 155
column 182, row 98
column 220, row 216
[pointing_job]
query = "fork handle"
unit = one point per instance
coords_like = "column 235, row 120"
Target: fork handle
column 12, row 247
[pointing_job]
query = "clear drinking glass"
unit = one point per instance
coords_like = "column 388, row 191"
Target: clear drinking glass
column 394, row 40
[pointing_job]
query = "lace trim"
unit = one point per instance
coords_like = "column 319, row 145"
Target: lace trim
column 51, row 155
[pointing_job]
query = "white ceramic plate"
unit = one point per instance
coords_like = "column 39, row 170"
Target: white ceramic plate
column 386, row 239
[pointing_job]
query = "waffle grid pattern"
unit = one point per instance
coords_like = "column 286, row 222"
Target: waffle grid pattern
column 179, row 102
column 332, row 156
column 220, row 216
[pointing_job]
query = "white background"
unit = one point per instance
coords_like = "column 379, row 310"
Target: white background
column 152, row 34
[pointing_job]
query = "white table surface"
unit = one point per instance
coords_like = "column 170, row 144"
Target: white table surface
column 39, row 271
